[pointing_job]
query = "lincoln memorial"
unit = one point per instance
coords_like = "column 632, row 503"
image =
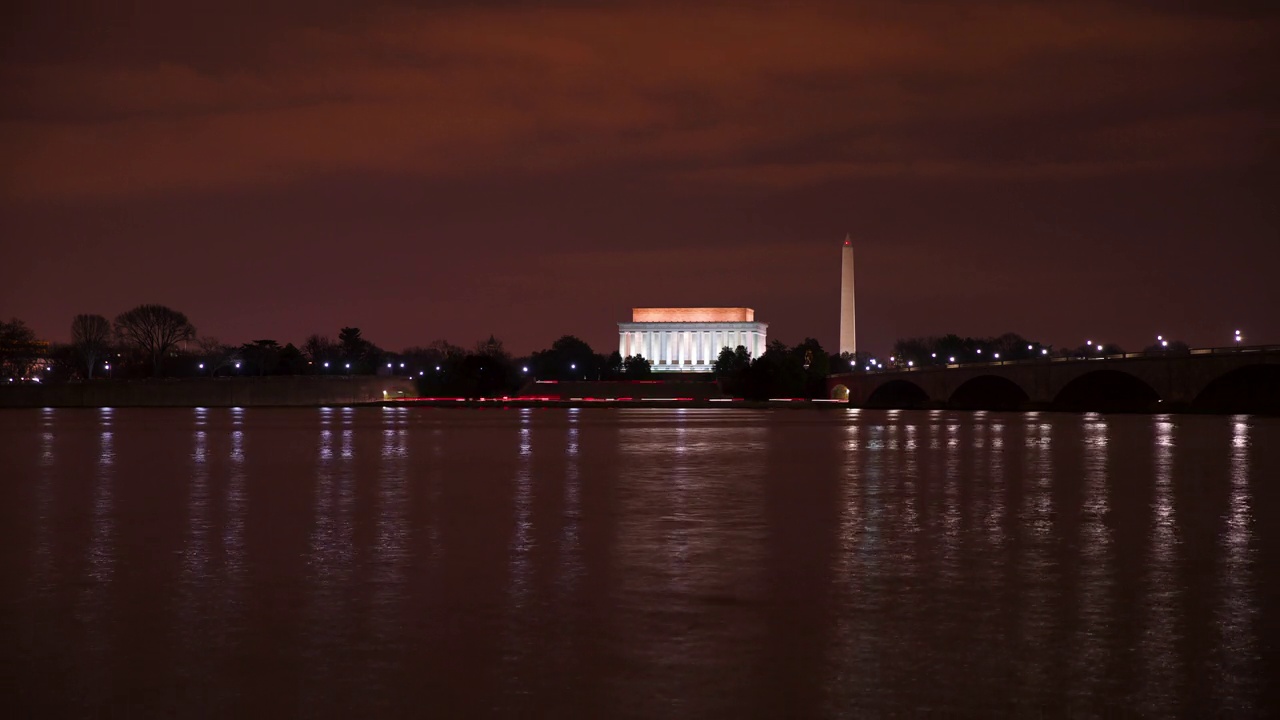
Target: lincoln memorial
column 689, row 339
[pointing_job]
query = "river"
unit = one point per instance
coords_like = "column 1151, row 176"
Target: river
column 385, row 562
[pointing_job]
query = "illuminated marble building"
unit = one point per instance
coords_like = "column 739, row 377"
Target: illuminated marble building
column 689, row 339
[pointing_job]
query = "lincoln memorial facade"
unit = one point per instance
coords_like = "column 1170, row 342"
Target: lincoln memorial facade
column 689, row 339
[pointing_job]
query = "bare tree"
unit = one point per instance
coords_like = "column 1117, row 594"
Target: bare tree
column 214, row 354
column 319, row 348
column 154, row 330
column 91, row 338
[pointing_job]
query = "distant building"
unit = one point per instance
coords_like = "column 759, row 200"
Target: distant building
column 689, row 339
column 848, row 329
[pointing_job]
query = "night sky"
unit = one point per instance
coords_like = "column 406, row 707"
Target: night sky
column 1069, row 171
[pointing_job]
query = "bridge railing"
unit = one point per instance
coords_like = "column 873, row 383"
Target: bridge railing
column 1225, row 350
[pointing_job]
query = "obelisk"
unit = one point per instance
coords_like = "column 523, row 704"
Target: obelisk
column 848, row 336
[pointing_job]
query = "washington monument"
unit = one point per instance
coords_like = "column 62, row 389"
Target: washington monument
column 848, row 336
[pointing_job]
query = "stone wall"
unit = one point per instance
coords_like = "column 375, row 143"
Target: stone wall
column 297, row 391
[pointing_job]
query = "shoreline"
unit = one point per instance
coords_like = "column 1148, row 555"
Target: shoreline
column 518, row 404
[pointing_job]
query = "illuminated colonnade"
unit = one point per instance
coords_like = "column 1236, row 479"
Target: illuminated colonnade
column 689, row 339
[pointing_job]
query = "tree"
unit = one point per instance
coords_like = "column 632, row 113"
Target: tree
column 261, row 355
column 91, row 339
column 319, row 349
column 154, row 330
column 636, row 367
column 568, row 358
column 491, row 348
column 291, row 361
column 614, row 366
column 732, row 362
column 214, row 355
column 362, row 355
column 19, row 348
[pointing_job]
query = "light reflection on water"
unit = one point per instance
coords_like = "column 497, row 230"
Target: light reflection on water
column 638, row 563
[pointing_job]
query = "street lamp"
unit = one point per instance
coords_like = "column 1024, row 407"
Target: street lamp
column 1238, row 338
column 951, row 359
column 996, row 356
column 524, row 368
column 1099, row 348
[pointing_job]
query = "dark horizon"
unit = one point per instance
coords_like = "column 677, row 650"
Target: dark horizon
column 1102, row 171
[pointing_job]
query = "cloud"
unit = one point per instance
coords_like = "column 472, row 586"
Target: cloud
column 754, row 94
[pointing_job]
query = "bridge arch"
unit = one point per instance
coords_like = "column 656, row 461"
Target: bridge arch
column 989, row 392
column 898, row 394
column 1107, row 390
column 840, row 392
column 1248, row 389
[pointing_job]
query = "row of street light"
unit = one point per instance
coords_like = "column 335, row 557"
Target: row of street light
column 872, row 365
column 1098, row 347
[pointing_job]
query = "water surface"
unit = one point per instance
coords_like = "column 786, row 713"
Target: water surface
column 637, row 563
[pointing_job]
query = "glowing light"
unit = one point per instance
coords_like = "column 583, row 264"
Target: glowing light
column 1028, row 347
column 401, row 364
column 979, row 351
column 1099, row 348
column 1164, row 343
column 910, row 363
column 933, row 355
column 890, row 358
column 326, row 363
column 951, row 359
column 201, row 366
column 388, row 364
column 437, row 368
column 524, row 368
column 1160, row 337
column 421, row 373
column 573, row 366
column 348, row 366
column 237, row 366
column 997, row 356
column 1044, row 351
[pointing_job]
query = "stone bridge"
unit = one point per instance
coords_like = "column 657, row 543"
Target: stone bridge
column 1245, row 379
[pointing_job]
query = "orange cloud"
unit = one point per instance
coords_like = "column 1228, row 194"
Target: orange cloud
column 774, row 95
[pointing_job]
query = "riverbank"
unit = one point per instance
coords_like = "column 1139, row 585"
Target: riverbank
column 281, row 391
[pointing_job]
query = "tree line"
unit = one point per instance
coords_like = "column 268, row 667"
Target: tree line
column 158, row 341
